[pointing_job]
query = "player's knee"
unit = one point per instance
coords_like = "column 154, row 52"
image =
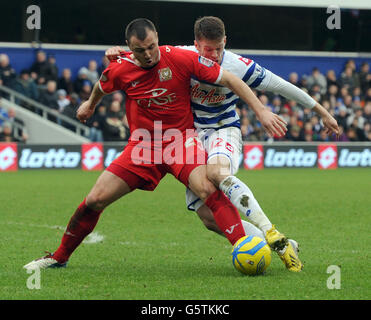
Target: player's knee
column 216, row 173
column 207, row 188
column 96, row 201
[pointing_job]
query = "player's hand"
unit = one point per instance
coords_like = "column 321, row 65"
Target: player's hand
column 113, row 52
column 331, row 125
column 273, row 124
column 85, row 111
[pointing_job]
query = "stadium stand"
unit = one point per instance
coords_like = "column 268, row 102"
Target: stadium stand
column 53, row 89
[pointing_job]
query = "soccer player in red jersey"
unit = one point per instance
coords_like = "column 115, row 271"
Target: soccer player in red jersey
column 156, row 82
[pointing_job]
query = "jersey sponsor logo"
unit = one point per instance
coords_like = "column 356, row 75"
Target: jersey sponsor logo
column 159, row 98
column 92, row 156
column 253, row 155
column 209, row 97
column 355, row 158
column 205, row 61
column 8, row 157
column 327, row 156
column 165, row 74
column 53, row 158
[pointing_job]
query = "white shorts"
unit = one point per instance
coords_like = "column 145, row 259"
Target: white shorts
column 225, row 142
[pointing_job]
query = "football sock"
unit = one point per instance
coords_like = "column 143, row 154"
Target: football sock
column 251, row 230
column 226, row 216
column 80, row 225
column 244, row 200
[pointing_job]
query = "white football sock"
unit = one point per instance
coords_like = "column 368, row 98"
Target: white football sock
column 243, row 199
column 251, row 230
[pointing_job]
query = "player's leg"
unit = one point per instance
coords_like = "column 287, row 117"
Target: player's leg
column 222, row 164
column 225, row 214
column 194, row 203
column 224, row 152
column 206, row 216
column 106, row 190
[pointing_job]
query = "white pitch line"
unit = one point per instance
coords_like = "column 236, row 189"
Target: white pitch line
column 92, row 238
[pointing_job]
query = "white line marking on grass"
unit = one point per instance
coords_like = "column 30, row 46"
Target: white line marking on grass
column 92, row 238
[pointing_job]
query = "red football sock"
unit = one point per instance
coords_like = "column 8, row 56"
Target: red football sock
column 81, row 224
column 226, row 216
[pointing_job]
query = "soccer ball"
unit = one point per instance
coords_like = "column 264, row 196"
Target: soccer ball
column 251, row 255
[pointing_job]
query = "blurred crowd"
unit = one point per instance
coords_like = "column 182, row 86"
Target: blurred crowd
column 64, row 94
column 346, row 96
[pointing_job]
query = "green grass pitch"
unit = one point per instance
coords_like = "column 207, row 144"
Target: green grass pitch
column 153, row 248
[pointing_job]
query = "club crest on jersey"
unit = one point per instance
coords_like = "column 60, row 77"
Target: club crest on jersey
column 205, row 61
column 165, row 74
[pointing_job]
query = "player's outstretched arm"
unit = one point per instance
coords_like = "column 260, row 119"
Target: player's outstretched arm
column 86, row 109
column 272, row 123
column 286, row 89
column 328, row 120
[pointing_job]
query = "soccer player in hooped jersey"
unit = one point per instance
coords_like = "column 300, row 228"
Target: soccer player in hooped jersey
column 219, row 129
column 156, row 82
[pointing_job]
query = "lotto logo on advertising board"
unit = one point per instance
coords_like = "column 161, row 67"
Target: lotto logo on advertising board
column 353, row 157
column 8, row 157
column 253, row 157
column 45, row 157
column 92, row 156
column 327, row 156
column 290, row 157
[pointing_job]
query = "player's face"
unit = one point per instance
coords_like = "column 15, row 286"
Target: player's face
column 211, row 49
column 146, row 52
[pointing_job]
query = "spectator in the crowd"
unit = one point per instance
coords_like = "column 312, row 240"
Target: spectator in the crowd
column 348, row 79
column 39, row 68
column 3, row 115
column 85, row 91
column 331, row 78
column 19, row 131
column 7, row 73
column 96, row 124
column 247, row 129
column 367, row 112
column 82, row 77
column 358, row 115
column 365, row 77
column 70, row 110
column 26, row 85
column 51, row 72
column 6, row 134
column 65, row 81
column 114, row 128
column 104, row 65
column 317, row 78
column 294, row 79
column 342, row 117
column 93, row 75
column 332, row 95
column 368, row 95
column 62, row 100
column 49, row 96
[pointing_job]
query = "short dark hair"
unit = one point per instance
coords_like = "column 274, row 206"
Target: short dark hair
column 209, row 27
column 139, row 28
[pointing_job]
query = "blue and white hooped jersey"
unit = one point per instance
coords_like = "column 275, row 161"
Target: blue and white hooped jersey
column 214, row 106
